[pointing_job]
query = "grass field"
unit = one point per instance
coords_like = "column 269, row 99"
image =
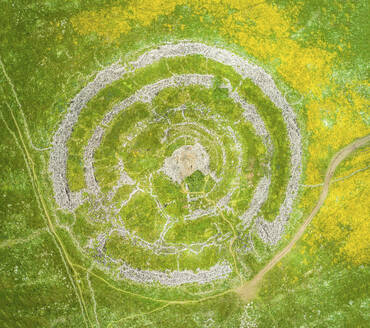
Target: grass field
column 143, row 191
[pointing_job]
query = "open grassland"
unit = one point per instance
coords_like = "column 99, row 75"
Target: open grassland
column 149, row 251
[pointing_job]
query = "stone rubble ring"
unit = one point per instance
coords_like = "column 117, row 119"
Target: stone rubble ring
column 269, row 232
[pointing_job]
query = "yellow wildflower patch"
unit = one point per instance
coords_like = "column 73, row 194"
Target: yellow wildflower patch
column 359, row 162
column 344, row 220
column 262, row 29
column 110, row 23
column 335, row 122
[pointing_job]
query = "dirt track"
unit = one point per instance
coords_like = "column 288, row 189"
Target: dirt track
column 249, row 290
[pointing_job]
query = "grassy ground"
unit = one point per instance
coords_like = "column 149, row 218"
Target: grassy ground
column 317, row 53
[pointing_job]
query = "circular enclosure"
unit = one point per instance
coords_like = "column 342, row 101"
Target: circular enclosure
column 173, row 158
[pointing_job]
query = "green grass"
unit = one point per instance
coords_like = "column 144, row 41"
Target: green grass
column 48, row 65
column 316, row 293
column 142, row 217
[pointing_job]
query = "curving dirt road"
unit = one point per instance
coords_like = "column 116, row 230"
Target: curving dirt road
column 249, row 290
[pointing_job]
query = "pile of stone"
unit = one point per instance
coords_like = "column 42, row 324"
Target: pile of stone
column 175, row 278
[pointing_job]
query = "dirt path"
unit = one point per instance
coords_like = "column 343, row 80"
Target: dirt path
column 249, row 290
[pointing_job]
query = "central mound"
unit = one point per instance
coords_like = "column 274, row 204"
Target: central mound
column 185, row 161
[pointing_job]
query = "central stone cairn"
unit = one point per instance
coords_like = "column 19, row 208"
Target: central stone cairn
column 185, row 161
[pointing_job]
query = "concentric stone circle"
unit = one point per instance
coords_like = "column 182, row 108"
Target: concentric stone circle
column 269, row 232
